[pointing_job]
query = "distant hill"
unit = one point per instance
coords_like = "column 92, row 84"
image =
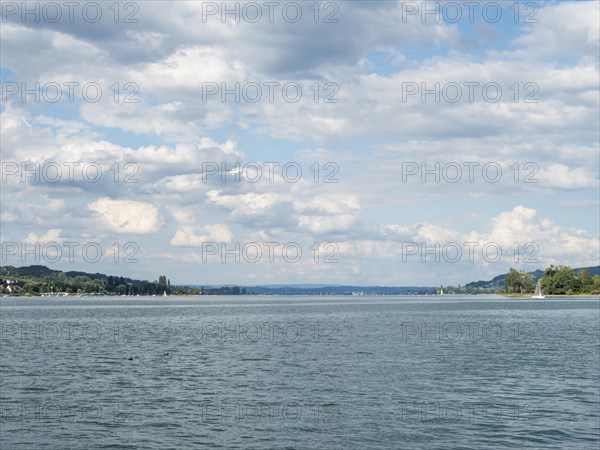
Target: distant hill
column 493, row 285
column 498, row 281
column 328, row 289
column 341, row 290
column 38, row 271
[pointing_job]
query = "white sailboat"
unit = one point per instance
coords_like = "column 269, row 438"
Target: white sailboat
column 441, row 290
column 165, row 294
column 538, row 291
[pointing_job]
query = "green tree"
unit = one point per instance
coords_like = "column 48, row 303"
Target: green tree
column 586, row 282
column 564, row 281
column 550, row 271
column 31, row 287
column 595, row 285
column 518, row 282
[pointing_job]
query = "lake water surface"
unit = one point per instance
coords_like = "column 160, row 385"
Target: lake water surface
column 299, row 372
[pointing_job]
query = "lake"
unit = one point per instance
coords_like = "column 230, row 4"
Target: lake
column 299, row 372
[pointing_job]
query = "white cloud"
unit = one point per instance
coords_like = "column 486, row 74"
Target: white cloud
column 189, row 68
column 369, row 133
column 328, row 214
column 188, row 235
column 249, row 205
column 53, row 235
column 564, row 27
column 126, row 216
column 563, row 177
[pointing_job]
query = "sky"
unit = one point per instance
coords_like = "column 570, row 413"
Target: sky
column 335, row 142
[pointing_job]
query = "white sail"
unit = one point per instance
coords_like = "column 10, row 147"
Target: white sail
column 538, row 291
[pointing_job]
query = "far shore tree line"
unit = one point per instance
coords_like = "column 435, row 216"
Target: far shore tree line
column 39, row 280
column 557, row 280
column 42, row 281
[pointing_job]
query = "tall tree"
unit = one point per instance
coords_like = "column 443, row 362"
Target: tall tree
column 585, row 281
column 518, row 282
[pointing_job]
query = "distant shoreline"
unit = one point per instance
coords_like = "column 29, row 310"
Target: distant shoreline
column 38, row 280
column 442, row 298
column 549, row 296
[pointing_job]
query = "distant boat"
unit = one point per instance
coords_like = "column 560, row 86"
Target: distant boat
column 165, row 294
column 538, row 291
column 441, row 290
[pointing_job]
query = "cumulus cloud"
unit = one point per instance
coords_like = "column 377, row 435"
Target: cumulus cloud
column 547, row 150
column 563, row 27
column 52, row 235
column 189, row 235
column 523, row 239
column 328, row 214
column 126, row 216
column 564, row 177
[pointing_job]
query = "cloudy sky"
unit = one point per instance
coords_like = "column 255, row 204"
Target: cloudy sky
column 163, row 137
